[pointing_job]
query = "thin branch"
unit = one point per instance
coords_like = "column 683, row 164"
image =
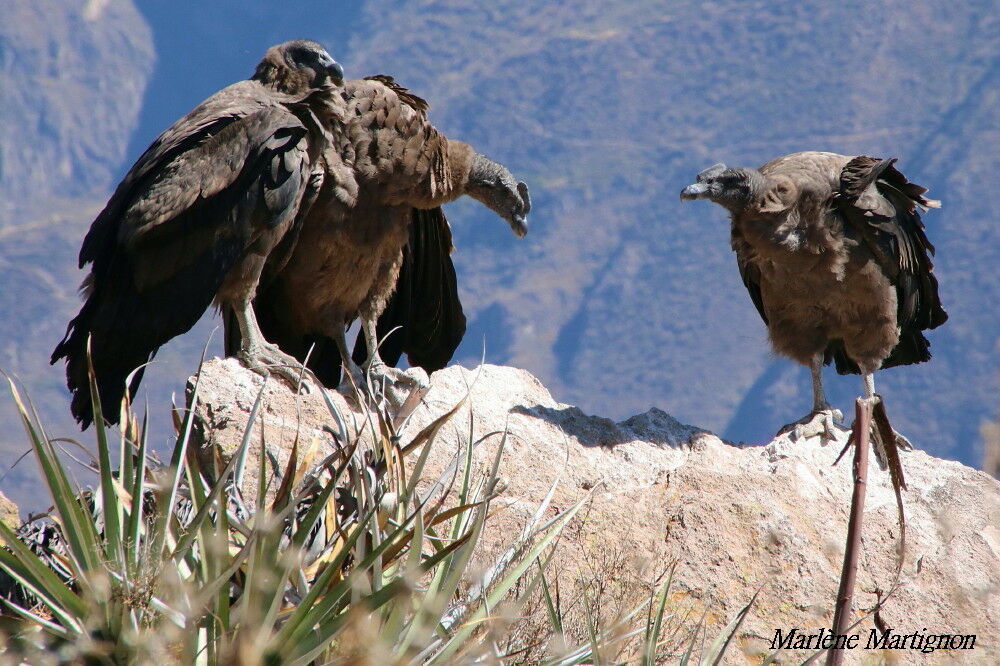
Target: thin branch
column 849, row 572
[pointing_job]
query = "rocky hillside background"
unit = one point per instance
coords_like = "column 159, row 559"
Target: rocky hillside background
column 620, row 298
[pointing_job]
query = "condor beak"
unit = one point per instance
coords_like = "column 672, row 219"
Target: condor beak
column 336, row 72
column 331, row 68
column 519, row 225
column 519, row 220
column 695, row 191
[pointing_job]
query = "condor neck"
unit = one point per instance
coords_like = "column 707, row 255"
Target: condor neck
column 755, row 184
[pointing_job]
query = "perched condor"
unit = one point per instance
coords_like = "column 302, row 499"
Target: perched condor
column 834, row 255
column 195, row 219
column 375, row 245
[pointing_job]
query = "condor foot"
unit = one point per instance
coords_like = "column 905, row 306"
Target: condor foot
column 819, row 423
column 267, row 359
column 399, row 390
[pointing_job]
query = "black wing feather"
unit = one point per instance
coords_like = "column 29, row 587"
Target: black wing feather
column 878, row 203
column 156, row 269
column 749, row 271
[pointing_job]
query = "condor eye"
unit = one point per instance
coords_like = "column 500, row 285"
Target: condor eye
column 299, row 58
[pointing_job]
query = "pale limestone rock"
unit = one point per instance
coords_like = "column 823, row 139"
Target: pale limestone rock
column 735, row 519
column 9, row 514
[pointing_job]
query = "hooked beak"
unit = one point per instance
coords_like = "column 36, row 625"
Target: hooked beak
column 336, row 72
column 519, row 225
column 694, row 191
column 331, row 68
column 519, row 220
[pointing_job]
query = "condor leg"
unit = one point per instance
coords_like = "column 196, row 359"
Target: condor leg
column 822, row 420
column 403, row 390
column 352, row 377
column 374, row 365
column 261, row 356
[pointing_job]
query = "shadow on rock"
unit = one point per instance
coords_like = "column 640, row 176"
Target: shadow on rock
column 654, row 426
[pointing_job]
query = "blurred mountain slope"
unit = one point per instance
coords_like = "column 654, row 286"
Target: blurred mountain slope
column 622, row 298
column 72, row 77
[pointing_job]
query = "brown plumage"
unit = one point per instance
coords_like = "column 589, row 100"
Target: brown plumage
column 194, row 220
column 376, row 224
column 833, row 253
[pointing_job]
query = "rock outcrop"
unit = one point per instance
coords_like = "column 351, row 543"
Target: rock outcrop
column 9, row 513
column 735, row 519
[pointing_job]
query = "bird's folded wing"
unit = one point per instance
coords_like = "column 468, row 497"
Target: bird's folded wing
column 749, row 271
column 882, row 206
column 168, row 238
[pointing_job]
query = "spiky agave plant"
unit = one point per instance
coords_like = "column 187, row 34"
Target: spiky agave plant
column 357, row 559
column 163, row 562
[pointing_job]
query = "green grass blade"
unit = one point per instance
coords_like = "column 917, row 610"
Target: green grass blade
column 78, row 525
column 458, row 566
column 166, row 500
column 717, row 650
column 25, row 567
column 135, row 522
column 698, row 632
column 318, row 607
column 503, row 586
column 415, row 475
column 217, row 585
column 342, row 433
column 555, row 619
column 310, row 646
column 394, row 620
column 449, row 575
column 312, row 516
column 49, row 626
column 241, row 453
column 298, row 621
column 595, row 645
column 125, row 448
column 654, row 624
column 215, row 497
column 110, row 503
column 429, row 433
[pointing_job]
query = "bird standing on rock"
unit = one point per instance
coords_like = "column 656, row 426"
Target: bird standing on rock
column 833, row 253
column 375, row 244
column 194, row 220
